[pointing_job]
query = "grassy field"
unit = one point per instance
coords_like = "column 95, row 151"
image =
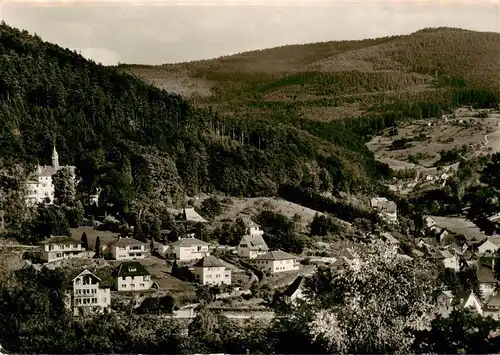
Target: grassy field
column 440, row 136
column 250, row 206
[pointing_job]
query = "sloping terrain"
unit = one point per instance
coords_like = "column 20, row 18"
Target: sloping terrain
column 148, row 148
column 344, row 79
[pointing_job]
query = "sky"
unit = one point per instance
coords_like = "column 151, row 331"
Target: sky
column 170, row 31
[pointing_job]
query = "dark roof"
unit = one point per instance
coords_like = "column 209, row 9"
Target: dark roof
column 461, row 298
column 493, row 301
column 276, row 255
column 485, row 275
column 131, row 268
column 256, row 242
column 295, row 285
column 209, row 261
column 189, row 242
column 123, row 242
column 61, row 240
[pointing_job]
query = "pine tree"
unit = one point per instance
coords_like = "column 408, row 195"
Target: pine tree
column 85, row 241
column 98, row 247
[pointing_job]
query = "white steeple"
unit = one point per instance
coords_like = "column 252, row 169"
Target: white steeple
column 55, row 158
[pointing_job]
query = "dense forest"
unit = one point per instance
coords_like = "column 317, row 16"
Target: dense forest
column 141, row 144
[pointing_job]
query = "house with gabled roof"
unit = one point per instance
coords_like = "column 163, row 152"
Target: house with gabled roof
column 489, row 245
column 211, row 271
column 447, row 302
column 132, row 276
column 276, row 261
column 457, row 249
column 187, row 249
column 468, row 299
column 127, row 249
column 448, row 259
column 251, row 246
column 295, row 291
column 487, row 281
column 59, row 248
column 491, row 307
column 428, row 243
column 386, row 209
column 252, row 227
column 88, row 296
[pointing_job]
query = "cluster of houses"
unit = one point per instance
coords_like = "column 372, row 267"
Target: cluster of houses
column 131, row 275
column 452, row 253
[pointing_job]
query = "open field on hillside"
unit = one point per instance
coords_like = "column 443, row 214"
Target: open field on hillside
column 104, row 236
column 440, row 136
column 251, row 206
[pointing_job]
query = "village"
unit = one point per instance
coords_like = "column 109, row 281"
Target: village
column 113, row 270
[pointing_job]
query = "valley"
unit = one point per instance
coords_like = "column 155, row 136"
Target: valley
column 316, row 198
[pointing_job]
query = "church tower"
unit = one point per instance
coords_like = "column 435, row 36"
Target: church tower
column 55, row 159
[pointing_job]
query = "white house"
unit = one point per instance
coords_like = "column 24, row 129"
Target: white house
column 59, row 248
column 88, row 296
column 295, row 291
column 187, row 249
column 127, row 249
column 488, row 246
column 251, row 246
column 429, row 222
column 487, row 281
column 132, row 276
column 386, row 209
column 491, row 307
column 211, row 271
column 449, row 259
column 41, row 188
column 252, row 227
column 276, row 261
column 466, row 299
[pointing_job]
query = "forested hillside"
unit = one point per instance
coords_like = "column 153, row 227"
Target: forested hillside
column 145, row 145
column 416, row 75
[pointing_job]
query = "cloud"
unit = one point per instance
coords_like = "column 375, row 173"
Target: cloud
column 153, row 32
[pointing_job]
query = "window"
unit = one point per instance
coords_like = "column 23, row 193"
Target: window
column 142, row 285
column 123, row 277
column 124, row 286
column 132, row 285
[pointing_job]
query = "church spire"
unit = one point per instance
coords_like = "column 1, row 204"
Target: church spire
column 55, row 158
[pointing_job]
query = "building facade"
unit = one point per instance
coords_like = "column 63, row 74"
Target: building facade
column 41, row 188
column 211, row 271
column 88, row 296
column 275, row 262
column 252, row 246
column 127, row 249
column 60, row 248
column 187, row 249
column 132, row 276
